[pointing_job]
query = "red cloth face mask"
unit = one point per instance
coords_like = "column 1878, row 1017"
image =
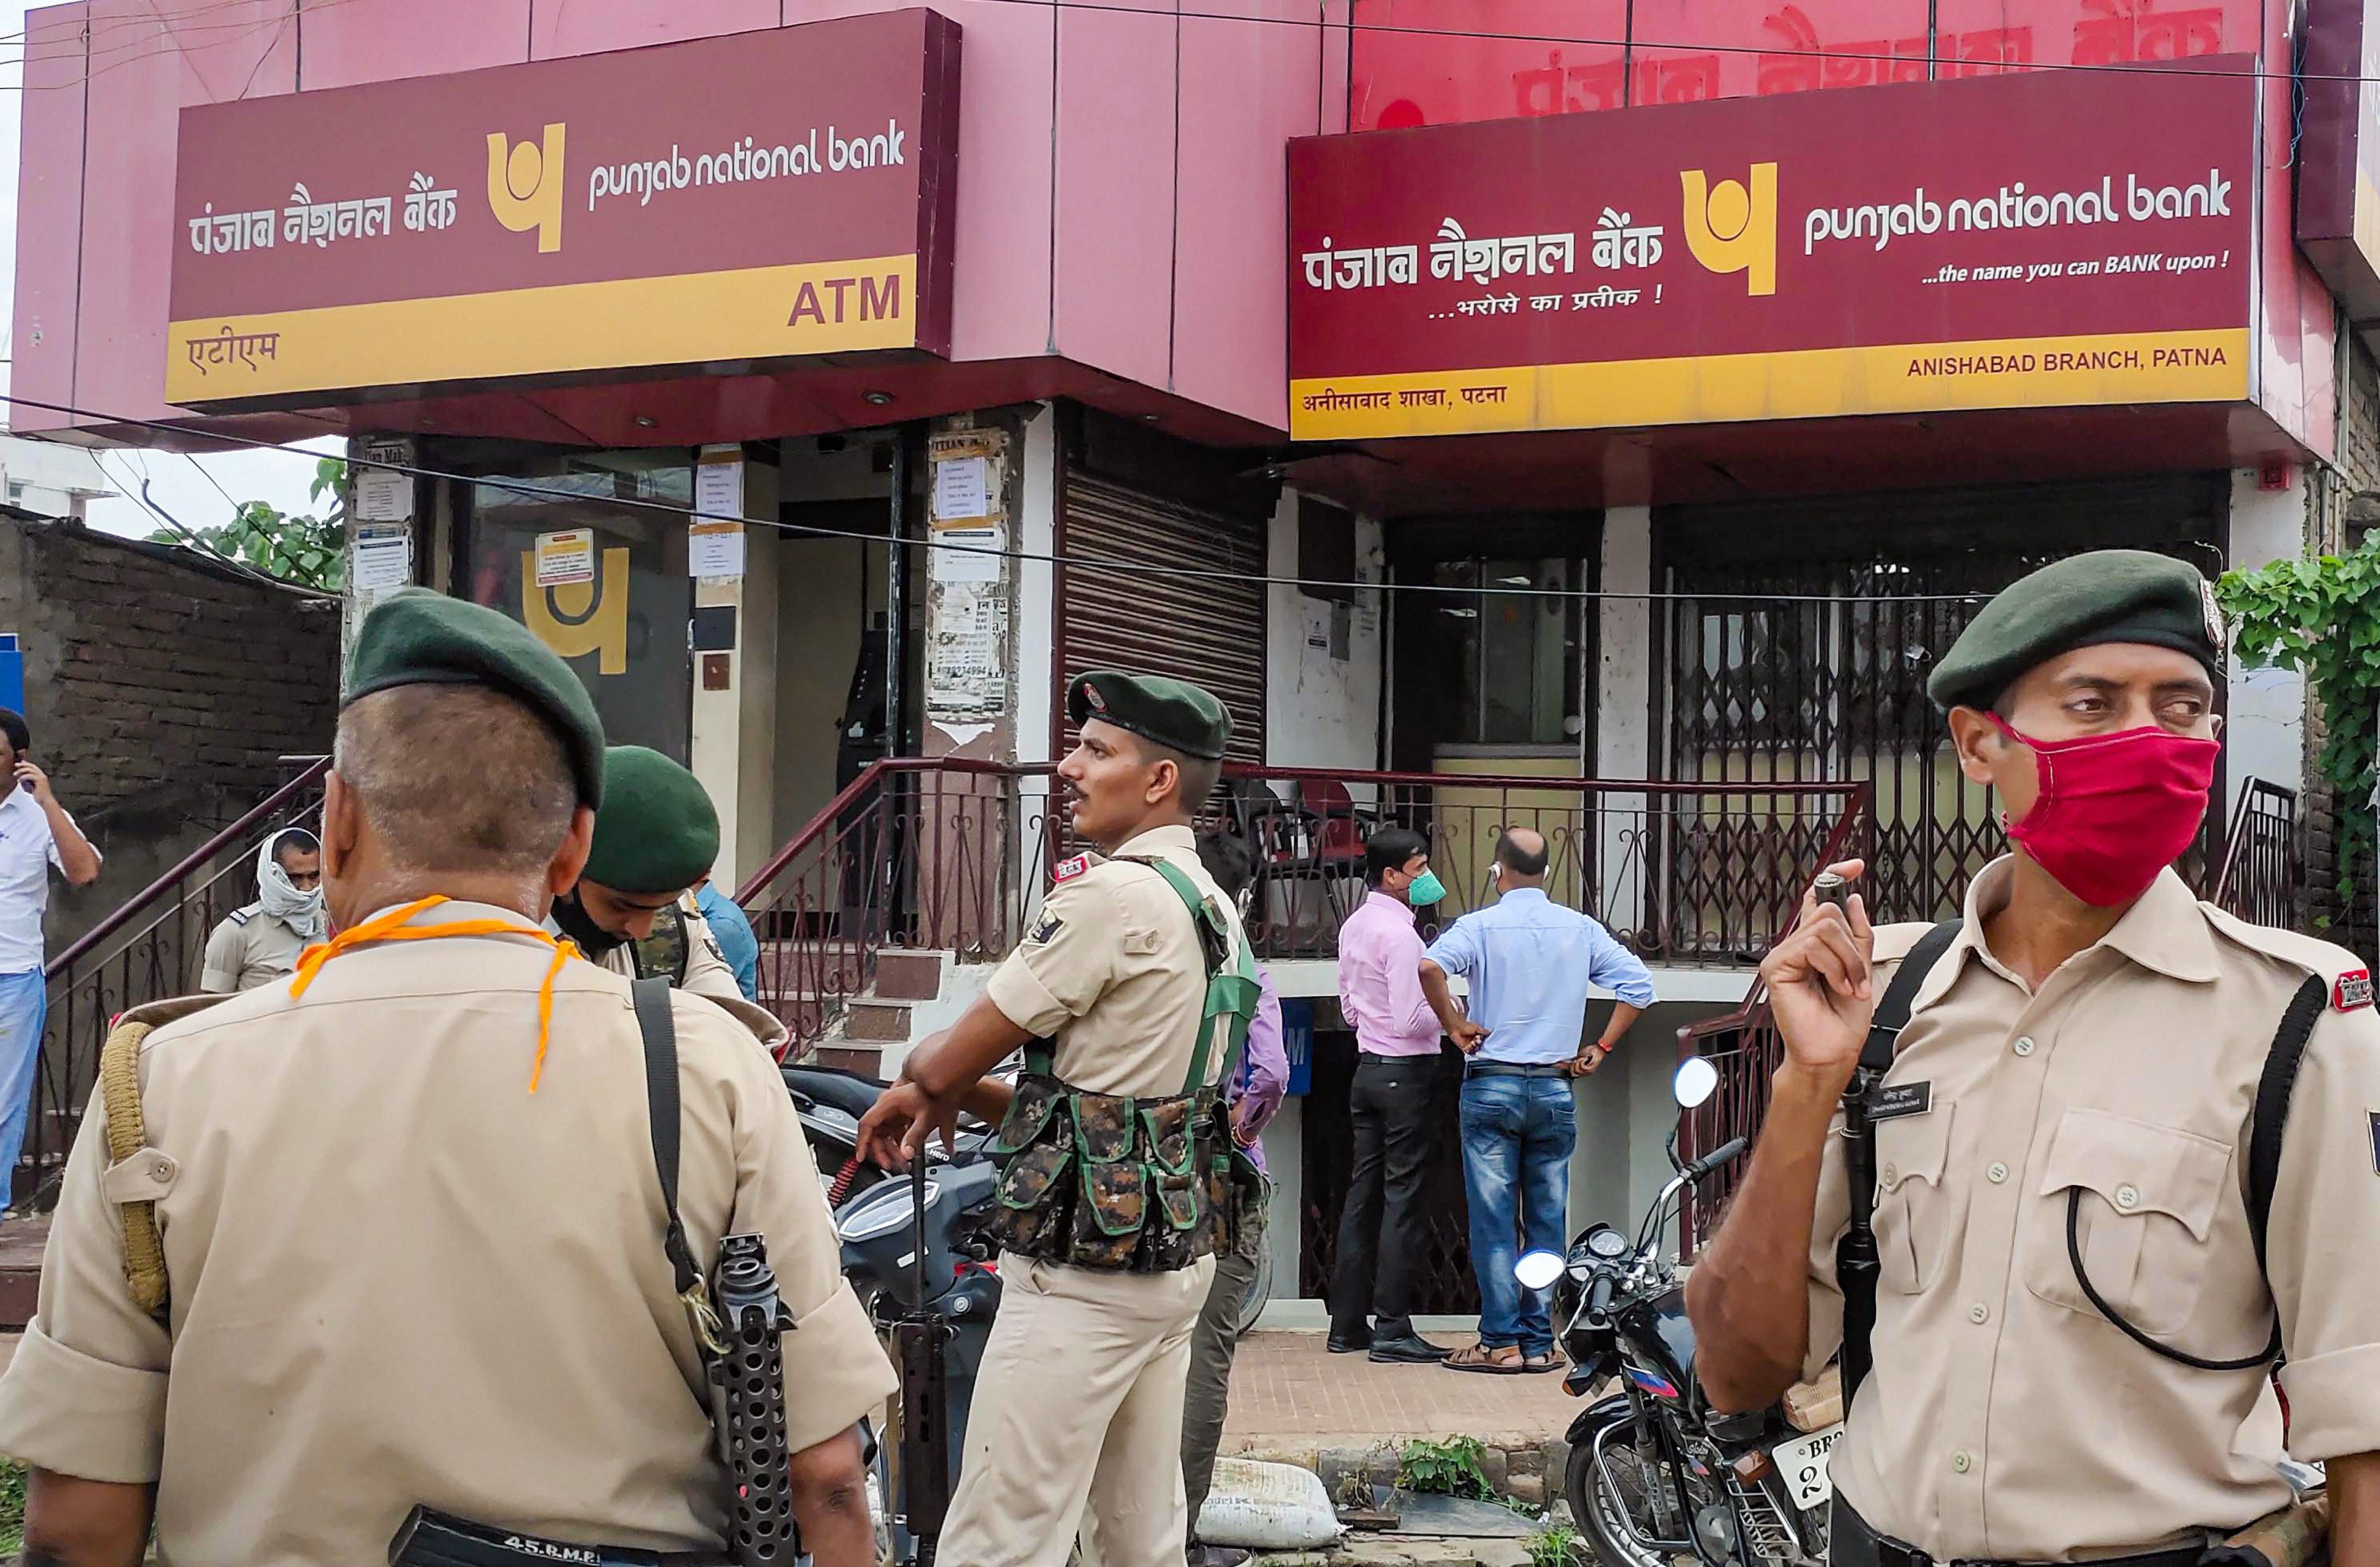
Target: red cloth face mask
column 2114, row 810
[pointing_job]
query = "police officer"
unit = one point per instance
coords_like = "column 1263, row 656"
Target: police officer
column 412, row 1232
column 2070, row 1115
column 633, row 909
column 259, row 943
column 1081, row 1392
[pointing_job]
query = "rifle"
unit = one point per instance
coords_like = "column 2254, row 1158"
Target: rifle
column 919, row 1342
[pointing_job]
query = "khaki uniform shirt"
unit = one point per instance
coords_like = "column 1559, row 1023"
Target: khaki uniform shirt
column 2005, row 1417
column 398, row 1276
column 249, row 948
column 707, row 973
column 1113, row 970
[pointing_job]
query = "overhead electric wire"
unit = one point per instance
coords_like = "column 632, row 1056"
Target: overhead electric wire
column 1069, row 562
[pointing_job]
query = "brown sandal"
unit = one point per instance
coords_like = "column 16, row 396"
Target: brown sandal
column 1505, row 1361
column 1548, row 1361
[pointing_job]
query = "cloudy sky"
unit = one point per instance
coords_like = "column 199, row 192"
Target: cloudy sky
column 198, row 490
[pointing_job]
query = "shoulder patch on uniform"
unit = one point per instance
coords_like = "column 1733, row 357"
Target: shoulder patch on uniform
column 1069, row 869
column 1049, row 925
column 242, row 916
column 2352, row 989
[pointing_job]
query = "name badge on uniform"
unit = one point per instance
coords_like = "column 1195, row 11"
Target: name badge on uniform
column 1069, row 869
column 1892, row 1102
column 2352, row 991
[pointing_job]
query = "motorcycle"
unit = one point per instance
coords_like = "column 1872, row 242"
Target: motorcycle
column 830, row 1102
column 1656, row 1473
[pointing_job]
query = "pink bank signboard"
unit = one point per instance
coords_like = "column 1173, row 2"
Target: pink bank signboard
column 2045, row 240
column 755, row 197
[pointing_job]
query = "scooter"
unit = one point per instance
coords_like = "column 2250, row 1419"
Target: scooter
column 1656, row 1473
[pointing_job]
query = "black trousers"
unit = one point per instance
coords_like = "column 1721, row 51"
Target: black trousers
column 1382, row 1227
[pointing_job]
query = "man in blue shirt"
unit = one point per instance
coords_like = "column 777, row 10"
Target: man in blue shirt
column 1530, row 964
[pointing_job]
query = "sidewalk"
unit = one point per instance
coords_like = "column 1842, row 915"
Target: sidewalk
column 1288, row 1391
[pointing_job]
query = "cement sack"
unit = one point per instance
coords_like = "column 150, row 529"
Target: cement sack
column 1267, row 1507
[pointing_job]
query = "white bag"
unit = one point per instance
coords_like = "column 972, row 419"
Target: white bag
column 1267, row 1507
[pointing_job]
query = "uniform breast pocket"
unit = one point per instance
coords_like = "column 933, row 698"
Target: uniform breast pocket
column 2143, row 1199
column 1913, row 1217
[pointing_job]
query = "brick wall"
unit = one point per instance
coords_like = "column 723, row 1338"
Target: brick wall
column 162, row 691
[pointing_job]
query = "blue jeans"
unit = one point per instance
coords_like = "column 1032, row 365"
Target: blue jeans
column 1517, row 1136
column 24, row 1008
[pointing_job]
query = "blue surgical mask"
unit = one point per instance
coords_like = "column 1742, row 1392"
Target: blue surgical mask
column 1425, row 890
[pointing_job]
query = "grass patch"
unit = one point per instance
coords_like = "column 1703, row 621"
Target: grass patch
column 12, row 1507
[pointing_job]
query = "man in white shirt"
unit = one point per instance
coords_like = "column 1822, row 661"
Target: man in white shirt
column 35, row 834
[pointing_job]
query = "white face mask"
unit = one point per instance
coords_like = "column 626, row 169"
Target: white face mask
column 302, row 911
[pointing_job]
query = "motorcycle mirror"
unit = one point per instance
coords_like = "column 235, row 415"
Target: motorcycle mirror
column 1696, row 1080
column 1537, row 1270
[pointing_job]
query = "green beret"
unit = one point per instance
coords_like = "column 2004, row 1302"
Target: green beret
column 656, row 832
column 414, row 636
column 1174, row 714
column 2081, row 601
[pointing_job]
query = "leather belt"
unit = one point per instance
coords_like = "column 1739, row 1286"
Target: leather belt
column 1851, row 1543
column 1374, row 1058
column 1514, row 1069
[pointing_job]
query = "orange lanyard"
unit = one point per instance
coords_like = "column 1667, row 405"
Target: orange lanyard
column 389, row 925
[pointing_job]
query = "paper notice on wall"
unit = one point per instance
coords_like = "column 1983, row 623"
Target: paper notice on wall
column 966, row 676
column 714, row 550
column 566, row 557
column 719, row 486
column 384, row 558
column 962, row 490
column 975, row 558
column 382, row 494
column 1317, row 627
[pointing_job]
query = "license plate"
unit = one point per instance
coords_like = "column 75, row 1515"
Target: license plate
column 1802, row 1462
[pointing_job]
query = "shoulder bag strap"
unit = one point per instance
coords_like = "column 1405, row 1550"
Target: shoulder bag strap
column 2272, row 1112
column 659, row 1027
column 1855, row 1254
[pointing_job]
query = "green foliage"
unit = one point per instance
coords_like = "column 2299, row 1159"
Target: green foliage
column 1556, row 1544
column 12, row 1507
column 309, row 551
column 1447, row 1468
column 2321, row 617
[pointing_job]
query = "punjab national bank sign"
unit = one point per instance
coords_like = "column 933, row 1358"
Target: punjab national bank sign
column 2039, row 239
column 757, row 196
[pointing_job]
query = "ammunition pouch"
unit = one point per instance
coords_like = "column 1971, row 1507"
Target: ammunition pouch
column 1126, row 1184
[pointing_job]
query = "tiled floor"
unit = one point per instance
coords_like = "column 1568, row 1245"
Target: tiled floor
column 1286, row 1388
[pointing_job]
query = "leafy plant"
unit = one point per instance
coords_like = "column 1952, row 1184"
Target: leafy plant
column 1556, row 1544
column 309, row 551
column 1445, row 1468
column 2321, row 617
column 12, row 1506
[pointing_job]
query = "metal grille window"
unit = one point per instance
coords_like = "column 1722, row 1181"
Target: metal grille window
column 1513, row 657
column 1828, row 680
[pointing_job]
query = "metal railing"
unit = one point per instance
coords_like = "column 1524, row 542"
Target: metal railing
column 2259, row 879
column 152, row 947
column 2262, row 879
column 953, row 855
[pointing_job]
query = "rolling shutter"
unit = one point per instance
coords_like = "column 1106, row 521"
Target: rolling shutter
column 1207, row 630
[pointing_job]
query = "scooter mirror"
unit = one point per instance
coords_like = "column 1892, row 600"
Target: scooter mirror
column 1698, row 1079
column 1537, row 1270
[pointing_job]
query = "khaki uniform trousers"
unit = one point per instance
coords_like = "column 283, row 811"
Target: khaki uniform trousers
column 1079, row 1403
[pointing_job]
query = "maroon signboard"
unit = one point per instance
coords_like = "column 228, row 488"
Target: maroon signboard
column 2339, row 168
column 754, row 197
column 2041, row 240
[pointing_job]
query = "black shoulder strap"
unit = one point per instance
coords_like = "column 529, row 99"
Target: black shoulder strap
column 1856, row 1263
column 1892, row 1012
column 660, row 1030
column 2272, row 1113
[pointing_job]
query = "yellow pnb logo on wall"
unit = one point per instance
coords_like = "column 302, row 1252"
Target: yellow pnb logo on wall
column 1732, row 229
column 524, row 185
column 578, row 618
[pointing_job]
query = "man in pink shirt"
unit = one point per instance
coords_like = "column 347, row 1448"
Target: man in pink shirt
column 1396, row 1081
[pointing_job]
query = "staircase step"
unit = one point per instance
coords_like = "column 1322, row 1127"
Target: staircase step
column 21, row 1241
column 905, row 975
column 880, row 1021
column 868, row 1060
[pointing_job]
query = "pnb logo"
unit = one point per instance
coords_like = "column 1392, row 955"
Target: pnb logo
column 1729, row 229
column 524, row 185
column 578, row 618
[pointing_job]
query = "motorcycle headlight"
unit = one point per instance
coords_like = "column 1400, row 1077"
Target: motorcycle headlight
column 882, row 1209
